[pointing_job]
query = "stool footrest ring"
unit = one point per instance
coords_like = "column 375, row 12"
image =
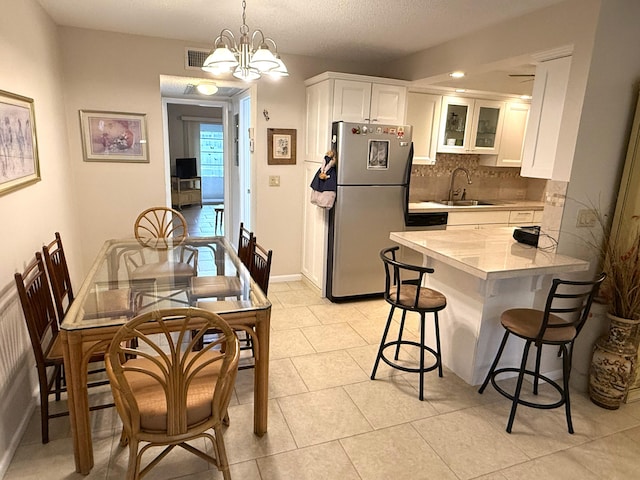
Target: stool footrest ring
column 527, row 403
column 433, row 366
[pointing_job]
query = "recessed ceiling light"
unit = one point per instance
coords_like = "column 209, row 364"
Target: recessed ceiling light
column 207, row 88
column 461, row 90
column 526, row 97
column 457, row 74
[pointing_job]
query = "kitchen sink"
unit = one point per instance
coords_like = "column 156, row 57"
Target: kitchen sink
column 464, row 203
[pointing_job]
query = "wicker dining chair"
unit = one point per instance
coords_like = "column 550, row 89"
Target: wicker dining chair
column 222, row 286
column 164, row 261
column 168, row 394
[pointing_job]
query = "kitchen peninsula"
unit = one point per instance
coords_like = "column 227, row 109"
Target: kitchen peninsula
column 482, row 273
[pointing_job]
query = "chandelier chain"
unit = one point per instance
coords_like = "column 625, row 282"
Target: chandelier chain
column 244, row 29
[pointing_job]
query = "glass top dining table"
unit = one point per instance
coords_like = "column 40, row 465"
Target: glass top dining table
column 155, row 277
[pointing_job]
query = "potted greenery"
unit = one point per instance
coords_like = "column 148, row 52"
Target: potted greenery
column 615, row 354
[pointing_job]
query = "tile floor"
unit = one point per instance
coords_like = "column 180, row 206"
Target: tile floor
column 328, row 420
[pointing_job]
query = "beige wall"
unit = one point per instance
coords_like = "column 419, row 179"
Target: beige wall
column 605, row 125
column 30, row 59
column 106, row 71
column 32, row 68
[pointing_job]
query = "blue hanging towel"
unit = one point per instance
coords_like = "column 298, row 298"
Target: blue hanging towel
column 325, row 183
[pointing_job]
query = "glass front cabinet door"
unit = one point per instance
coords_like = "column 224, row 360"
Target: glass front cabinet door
column 470, row 126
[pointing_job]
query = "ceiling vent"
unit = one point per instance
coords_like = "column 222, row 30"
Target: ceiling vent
column 195, row 57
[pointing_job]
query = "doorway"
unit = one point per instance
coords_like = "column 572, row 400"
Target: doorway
column 215, row 131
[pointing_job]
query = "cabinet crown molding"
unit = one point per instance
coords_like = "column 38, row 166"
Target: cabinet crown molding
column 564, row 51
column 354, row 77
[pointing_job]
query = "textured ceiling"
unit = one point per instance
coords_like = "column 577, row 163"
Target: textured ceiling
column 348, row 30
column 356, row 30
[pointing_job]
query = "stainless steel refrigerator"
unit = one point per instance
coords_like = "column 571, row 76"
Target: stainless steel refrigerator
column 373, row 168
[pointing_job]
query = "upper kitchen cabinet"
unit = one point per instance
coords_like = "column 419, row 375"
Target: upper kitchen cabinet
column 352, row 98
column 318, row 122
column 470, row 125
column 516, row 115
column 355, row 101
column 423, row 113
column 540, row 158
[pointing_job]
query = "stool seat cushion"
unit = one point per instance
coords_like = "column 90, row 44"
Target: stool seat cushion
column 526, row 323
column 428, row 300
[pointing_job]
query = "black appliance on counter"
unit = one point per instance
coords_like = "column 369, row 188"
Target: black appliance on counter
column 527, row 235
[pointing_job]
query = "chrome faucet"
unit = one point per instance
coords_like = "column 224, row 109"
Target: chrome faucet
column 453, row 177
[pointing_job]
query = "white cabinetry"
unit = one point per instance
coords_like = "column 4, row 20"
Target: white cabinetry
column 358, row 101
column 543, row 131
column 315, row 233
column 466, row 220
column 492, row 219
column 423, row 113
column 521, row 217
column 514, row 127
column 470, row 125
column 333, row 97
column 318, row 121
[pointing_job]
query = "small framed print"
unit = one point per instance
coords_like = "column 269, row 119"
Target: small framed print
column 281, row 148
column 114, row 137
column 378, row 155
column 19, row 165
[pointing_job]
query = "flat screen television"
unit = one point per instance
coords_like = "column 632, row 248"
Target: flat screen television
column 186, row 167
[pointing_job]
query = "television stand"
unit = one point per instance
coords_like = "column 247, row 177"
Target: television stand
column 186, row 191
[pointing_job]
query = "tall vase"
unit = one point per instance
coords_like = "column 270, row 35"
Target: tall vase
column 612, row 364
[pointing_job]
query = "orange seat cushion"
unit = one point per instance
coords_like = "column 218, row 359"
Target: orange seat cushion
column 526, row 323
column 152, row 399
column 428, row 300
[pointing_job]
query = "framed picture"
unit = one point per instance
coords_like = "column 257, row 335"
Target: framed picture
column 19, row 164
column 378, row 155
column 114, row 137
column 281, row 146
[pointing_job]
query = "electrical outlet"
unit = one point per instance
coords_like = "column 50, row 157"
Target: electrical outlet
column 274, row 180
column 586, row 218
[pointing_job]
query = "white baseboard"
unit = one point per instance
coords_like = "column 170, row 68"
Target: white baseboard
column 19, row 400
column 286, row 278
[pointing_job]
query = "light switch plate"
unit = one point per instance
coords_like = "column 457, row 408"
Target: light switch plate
column 274, row 180
column 586, row 218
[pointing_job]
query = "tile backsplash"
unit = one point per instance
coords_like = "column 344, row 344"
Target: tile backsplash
column 431, row 182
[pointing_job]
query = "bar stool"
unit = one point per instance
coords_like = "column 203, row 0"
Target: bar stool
column 566, row 311
column 408, row 294
column 219, row 217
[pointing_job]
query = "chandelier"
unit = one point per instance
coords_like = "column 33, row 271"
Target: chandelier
column 249, row 57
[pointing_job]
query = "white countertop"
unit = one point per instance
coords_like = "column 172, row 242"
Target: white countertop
column 489, row 254
column 498, row 205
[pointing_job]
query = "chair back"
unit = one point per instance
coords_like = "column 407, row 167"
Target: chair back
column 403, row 282
column 245, row 246
column 160, row 228
column 569, row 301
column 56, row 262
column 39, row 313
column 260, row 267
column 164, row 387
